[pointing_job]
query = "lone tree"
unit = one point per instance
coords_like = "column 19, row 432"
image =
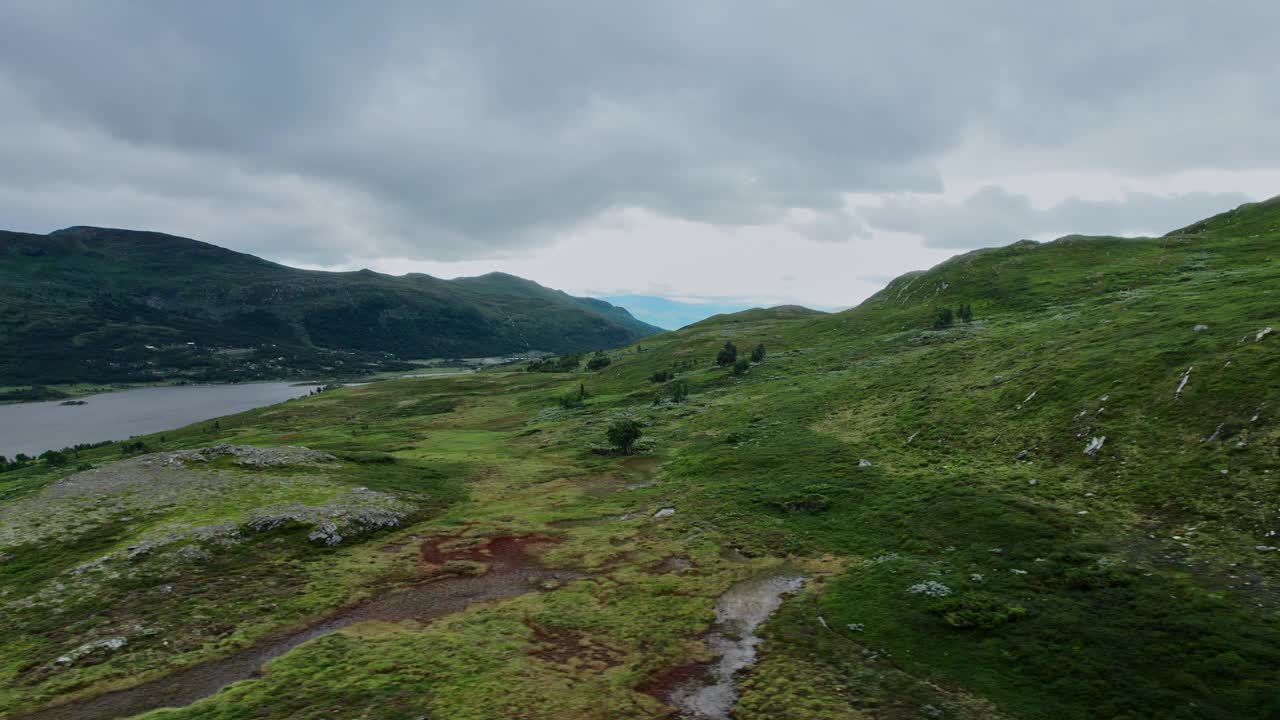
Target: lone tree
column 679, row 391
column 943, row 318
column 757, row 355
column 728, row 354
column 624, row 434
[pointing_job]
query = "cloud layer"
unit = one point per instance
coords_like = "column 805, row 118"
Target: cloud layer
column 337, row 134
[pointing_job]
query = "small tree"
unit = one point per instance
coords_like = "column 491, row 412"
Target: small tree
column 728, row 354
column 741, row 367
column 679, row 391
column 623, row 435
column 661, row 376
column 965, row 313
column 757, row 355
column 575, row 398
column 599, row 361
column 943, row 318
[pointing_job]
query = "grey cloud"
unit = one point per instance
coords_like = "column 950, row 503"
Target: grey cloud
column 993, row 216
column 453, row 130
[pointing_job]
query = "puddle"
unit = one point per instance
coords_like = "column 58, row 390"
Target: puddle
column 511, row 572
column 712, row 693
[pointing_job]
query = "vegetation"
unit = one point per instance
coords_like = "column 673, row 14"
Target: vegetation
column 757, row 353
column 99, row 305
column 728, row 354
column 966, row 557
column 623, row 435
column 598, row 361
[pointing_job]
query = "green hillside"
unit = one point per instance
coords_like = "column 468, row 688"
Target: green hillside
column 1067, row 508
column 83, row 305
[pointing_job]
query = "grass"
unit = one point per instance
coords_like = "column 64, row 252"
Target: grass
column 1123, row 584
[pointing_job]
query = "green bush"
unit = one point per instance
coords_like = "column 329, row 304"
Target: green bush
column 741, row 367
column 599, row 361
column 623, row 435
column 976, row 610
column 727, row 355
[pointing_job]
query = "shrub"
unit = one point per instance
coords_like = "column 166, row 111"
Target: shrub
column 679, row 391
column 727, row 355
column 976, row 610
column 599, row 361
column 661, row 376
column 809, row 499
column 757, row 354
column 623, row 435
column 741, row 367
column 965, row 313
column 943, row 318
column 575, row 398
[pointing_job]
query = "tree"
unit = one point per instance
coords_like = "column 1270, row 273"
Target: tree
column 741, row 367
column 623, row 435
column 757, row 355
column 965, row 313
column 575, row 398
column 661, row 376
column 54, row 457
column 943, row 318
column 728, row 354
column 599, row 361
column 679, row 391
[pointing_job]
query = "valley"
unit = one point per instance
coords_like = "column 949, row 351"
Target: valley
column 1060, row 502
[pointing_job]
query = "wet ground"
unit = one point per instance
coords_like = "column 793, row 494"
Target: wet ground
column 709, row 692
column 512, row 570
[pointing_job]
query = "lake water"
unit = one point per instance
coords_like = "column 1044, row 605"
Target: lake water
column 32, row 428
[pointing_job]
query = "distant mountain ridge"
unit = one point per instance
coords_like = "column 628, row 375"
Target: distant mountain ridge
column 98, row 304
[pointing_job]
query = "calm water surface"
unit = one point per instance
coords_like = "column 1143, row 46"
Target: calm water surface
column 32, row 428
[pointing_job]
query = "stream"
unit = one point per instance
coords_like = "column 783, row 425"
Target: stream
column 739, row 613
column 511, row 573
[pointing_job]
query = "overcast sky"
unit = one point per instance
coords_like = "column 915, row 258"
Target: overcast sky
column 760, row 151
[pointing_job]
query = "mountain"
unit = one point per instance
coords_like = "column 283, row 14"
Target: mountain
column 94, row 304
column 673, row 314
column 1062, row 508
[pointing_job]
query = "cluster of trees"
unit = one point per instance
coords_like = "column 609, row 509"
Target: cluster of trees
column 945, row 317
column 52, row 458
column 728, row 356
column 598, row 361
column 564, row 363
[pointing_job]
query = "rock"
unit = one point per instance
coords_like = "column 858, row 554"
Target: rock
column 1183, row 382
column 1261, row 334
column 1095, row 445
column 864, row 463
column 664, row 512
column 1022, row 455
column 112, row 643
column 1199, row 328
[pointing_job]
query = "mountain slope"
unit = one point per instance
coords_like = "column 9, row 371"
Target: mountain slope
column 967, row 555
column 83, row 304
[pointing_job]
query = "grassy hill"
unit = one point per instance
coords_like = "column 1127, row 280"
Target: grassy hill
column 1065, row 509
column 84, row 304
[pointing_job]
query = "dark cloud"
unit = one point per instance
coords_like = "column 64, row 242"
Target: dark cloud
column 322, row 131
column 993, row 216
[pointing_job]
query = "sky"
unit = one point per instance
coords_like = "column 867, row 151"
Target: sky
column 716, row 153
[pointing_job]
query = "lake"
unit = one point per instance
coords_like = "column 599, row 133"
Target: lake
column 32, row 428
